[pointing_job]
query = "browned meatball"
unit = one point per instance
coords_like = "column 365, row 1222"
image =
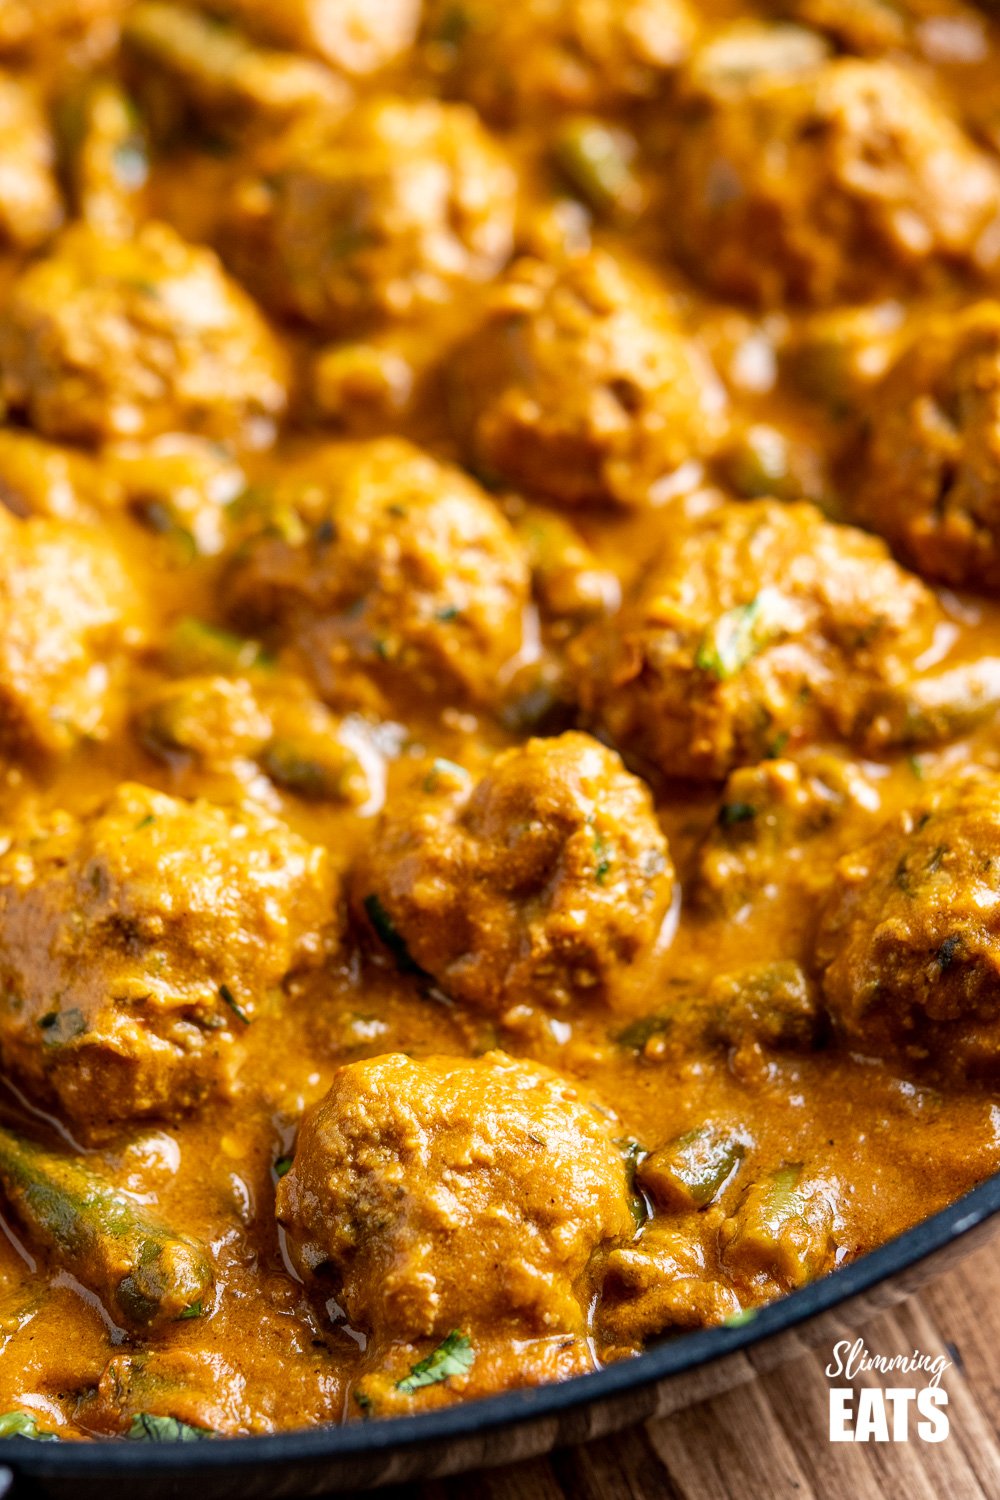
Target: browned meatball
column 392, row 567
column 846, row 180
column 909, row 944
column 929, row 476
column 211, row 721
column 547, row 882
column 581, row 386
column 138, row 941
column 779, row 827
column 68, row 612
column 30, row 205
column 447, row 1194
column 374, row 219
column 759, row 625
column 110, row 338
column 539, row 55
column 356, row 36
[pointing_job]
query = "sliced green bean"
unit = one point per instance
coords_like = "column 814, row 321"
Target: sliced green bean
column 145, row 1274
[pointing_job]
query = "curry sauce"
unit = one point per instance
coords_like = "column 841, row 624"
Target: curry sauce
column 499, row 673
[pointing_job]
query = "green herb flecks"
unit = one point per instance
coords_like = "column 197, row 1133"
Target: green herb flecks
column 448, row 772
column 228, row 998
column 455, row 1356
column 61, row 1026
column 732, row 813
column 602, row 858
column 733, row 640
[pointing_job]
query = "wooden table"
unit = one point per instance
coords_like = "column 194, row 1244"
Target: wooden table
column 769, row 1439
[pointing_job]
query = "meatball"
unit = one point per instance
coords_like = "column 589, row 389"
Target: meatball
column 547, row 882
column 581, row 386
column 138, row 941
column 779, row 825
column 909, row 942
column 391, row 566
column 212, row 721
column 442, row 1193
column 517, row 60
column 840, row 182
column 30, row 205
column 929, row 476
column 376, row 218
column 67, row 612
column 759, row 625
column 110, row 338
column 353, row 36
column 192, row 73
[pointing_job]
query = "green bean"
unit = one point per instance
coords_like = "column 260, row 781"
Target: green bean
column 781, row 1229
column 144, row 1273
column 107, row 158
column 317, row 768
column 690, row 1171
column 221, row 75
column 596, row 159
column 932, row 709
column 194, row 647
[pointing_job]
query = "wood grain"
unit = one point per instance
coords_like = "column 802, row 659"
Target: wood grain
column 769, row 1438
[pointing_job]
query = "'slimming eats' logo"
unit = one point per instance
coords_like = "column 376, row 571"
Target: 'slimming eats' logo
column 896, row 1414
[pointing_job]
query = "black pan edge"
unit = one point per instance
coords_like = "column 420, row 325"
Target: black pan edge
column 674, row 1357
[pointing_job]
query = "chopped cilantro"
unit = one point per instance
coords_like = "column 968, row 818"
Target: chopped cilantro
column 22, row 1424
column 62, row 1026
column 731, row 813
column 283, row 1166
column 147, row 1428
column 602, row 856
column 455, row 1356
column 734, row 639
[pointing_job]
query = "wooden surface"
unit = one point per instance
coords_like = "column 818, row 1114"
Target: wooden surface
column 770, row 1438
